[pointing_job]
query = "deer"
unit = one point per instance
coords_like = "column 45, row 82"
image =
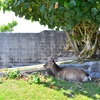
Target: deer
column 68, row 74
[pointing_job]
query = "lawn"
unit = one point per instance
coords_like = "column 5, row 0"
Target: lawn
column 48, row 89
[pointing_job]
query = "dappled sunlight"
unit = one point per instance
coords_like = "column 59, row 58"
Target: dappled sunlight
column 75, row 90
column 48, row 87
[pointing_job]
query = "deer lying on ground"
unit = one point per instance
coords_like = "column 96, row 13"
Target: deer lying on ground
column 68, row 74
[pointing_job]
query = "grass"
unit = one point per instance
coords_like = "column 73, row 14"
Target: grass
column 48, row 89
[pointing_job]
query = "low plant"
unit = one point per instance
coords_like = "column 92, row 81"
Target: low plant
column 35, row 79
column 11, row 74
column 1, row 81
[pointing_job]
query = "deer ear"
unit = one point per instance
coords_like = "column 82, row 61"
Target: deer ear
column 52, row 59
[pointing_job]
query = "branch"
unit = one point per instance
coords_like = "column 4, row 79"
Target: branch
column 71, row 43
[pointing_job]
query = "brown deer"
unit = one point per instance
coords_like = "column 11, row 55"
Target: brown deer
column 68, row 74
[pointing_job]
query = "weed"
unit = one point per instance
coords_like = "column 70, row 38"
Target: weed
column 35, row 79
column 1, row 81
column 11, row 74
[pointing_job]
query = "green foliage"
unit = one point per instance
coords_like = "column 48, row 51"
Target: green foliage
column 11, row 74
column 61, row 14
column 35, row 79
column 9, row 27
column 72, row 3
column 1, row 81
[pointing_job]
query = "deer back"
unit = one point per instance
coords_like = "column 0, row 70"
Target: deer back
column 73, row 74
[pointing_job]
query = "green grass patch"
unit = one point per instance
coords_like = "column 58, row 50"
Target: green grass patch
column 48, row 89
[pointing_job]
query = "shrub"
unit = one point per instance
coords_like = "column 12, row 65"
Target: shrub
column 11, row 74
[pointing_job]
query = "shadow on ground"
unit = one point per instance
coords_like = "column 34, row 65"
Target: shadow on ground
column 72, row 89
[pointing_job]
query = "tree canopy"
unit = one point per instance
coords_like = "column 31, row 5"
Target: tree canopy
column 63, row 14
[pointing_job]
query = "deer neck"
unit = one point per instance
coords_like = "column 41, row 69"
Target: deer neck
column 55, row 69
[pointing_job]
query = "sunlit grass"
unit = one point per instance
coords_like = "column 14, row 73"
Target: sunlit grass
column 48, row 89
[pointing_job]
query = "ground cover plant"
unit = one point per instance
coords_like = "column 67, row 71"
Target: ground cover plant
column 11, row 74
column 47, row 88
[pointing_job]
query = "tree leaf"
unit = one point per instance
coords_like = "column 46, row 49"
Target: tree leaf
column 98, row 18
column 52, row 5
column 68, row 27
column 18, row 3
column 22, row 1
column 78, row 11
column 42, row 8
column 6, row 2
column 66, row 15
column 94, row 11
column 65, row 4
column 72, row 3
column 92, row 1
column 14, row 4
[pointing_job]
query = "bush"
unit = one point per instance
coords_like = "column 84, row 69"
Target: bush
column 11, row 74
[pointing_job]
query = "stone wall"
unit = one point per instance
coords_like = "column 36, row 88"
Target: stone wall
column 24, row 48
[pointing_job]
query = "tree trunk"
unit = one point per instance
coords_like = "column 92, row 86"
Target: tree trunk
column 84, row 40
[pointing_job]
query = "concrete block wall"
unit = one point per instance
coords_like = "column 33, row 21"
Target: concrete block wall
column 24, row 48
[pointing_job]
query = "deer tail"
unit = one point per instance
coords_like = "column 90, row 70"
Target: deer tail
column 89, row 78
